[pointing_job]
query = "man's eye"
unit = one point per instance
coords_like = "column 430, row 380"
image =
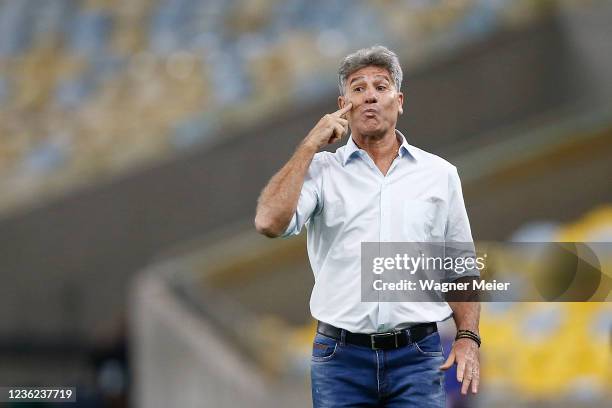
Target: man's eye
column 382, row 87
column 357, row 89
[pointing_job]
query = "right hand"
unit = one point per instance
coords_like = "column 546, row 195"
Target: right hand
column 330, row 128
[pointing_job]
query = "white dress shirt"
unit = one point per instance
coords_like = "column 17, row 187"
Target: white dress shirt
column 346, row 199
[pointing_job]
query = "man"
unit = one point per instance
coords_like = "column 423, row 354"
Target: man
column 375, row 188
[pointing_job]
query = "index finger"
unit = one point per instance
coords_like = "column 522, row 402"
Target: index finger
column 343, row 111
column 460, row 371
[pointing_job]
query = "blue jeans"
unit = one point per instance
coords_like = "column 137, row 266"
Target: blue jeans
column 345, row 375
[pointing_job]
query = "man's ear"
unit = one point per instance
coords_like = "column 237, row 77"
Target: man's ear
column 341, row 102
column 400, row 97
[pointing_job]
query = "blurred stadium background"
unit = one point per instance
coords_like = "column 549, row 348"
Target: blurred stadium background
column 135, row 136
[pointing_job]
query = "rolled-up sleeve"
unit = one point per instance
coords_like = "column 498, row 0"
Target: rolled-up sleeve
column 458, row 235
column 457, row 223
column 310, row 197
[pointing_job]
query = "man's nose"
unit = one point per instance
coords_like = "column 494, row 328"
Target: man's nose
column 370, row 96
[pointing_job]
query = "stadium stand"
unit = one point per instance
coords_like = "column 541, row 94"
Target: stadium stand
column 94, row 88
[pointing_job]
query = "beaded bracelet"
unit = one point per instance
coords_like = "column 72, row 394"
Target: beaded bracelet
column 468, row 334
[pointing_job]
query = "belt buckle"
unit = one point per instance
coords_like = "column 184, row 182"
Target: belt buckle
column 374, row 336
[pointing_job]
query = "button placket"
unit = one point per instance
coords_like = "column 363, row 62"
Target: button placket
column 383, row 307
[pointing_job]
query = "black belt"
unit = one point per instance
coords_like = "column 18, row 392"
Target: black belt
column 380, row 341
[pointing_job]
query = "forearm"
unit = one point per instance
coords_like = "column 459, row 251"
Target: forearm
column 278, row 200
column 466, row 315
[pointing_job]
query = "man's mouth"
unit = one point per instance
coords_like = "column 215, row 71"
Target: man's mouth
column 370, row 113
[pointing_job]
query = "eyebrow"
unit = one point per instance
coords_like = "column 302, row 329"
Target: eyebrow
column 375, row 76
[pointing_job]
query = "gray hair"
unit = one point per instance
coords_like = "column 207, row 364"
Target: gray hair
column 378, row 56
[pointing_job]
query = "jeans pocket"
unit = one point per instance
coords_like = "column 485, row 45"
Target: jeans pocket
column 430, row 345
column 323, row 348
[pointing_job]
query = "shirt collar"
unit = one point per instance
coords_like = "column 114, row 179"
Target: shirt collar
column 351, row 149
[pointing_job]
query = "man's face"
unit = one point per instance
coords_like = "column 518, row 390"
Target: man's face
column 376, row 102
